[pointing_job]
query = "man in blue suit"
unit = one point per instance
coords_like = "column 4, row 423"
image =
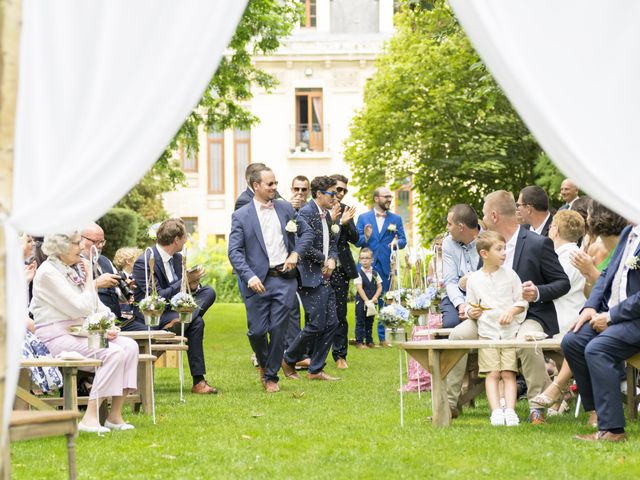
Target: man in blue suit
column 264, row 252
column 606, row 333
column 381, row 230
column 167, row 271
column 317, row 263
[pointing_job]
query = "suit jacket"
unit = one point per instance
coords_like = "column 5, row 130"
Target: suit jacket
column 313, row 258
column 379, row 241
column 244, row 198
column 247, row 251
column 109, row 296
column 165, row 289
column 628, row 309
column 535, row 260
column 348, row 234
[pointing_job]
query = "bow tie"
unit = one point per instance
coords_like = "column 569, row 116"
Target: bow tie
column 266, row 206
column 383, row 215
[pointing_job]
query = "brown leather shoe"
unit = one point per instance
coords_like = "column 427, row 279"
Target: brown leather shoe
column 271, row 387
column 603, row 436
column 360, row 346
column 289, row 371
column 341, row 364
column 385, row 344
column 304, row 363
column 322, row 376
column 261, row 372
column 592, row 421
column 372, row 345
column 203, row 388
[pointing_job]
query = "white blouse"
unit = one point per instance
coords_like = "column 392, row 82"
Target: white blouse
column 57, row 298
column 499, row 291
column 569, row 305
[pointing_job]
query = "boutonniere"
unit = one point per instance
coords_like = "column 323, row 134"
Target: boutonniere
column 335, row 229
column 392, row 227
column 291, row 226
column 633, row 262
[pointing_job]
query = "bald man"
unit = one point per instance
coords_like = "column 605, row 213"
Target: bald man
column 569, row 193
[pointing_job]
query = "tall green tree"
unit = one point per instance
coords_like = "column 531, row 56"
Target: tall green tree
column 264, row 25
column 434, row 114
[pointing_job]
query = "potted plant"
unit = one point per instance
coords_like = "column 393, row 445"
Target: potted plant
column 395, row 318
column 152, row 307
column 185, row 305
column 97, row 325
column 426, row 305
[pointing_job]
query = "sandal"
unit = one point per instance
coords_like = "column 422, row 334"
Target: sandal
column 546, row 400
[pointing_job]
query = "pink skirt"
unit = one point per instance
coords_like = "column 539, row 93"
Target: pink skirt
column 119, row 368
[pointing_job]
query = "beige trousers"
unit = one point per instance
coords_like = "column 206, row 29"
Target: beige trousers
column 532, row 363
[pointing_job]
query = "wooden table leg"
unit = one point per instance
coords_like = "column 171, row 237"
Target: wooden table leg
column 71, row 455
column 70, row 381
column 441, row 414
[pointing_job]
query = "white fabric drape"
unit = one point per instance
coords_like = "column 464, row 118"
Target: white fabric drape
column 571, row 69
column 104, row 86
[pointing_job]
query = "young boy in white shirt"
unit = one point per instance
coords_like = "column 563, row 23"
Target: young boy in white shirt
column 494, row 299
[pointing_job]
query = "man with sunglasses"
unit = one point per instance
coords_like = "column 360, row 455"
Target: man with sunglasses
column 317, row 263
column 342, row 216
column 299, row 192
column 381, row 230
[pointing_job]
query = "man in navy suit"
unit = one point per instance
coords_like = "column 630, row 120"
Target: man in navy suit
column 171, row 237
column 316, row 265
column 532, row 209
column 534, row 259
column 606, row 333
column 342, row 218
column 264, row 253
column 247, row 195
column 381, row 230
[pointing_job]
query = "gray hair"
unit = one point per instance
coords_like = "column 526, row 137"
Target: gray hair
column 58, row 243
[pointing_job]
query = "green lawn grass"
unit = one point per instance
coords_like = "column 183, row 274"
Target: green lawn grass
column 346, row 429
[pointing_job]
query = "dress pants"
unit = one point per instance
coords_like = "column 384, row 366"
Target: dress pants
column 450, row 317
column 293, row 324
column 340, row 285
column 194, row 331
column 595, row 360
column 268, row 319
column 385, row 288
column 320, row 304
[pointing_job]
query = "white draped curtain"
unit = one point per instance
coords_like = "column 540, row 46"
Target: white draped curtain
column 571, row 69
column 104, row 86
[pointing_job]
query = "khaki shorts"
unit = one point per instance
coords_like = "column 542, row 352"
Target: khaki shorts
column 497, row 359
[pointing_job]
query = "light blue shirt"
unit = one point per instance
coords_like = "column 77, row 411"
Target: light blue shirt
column 458, row 259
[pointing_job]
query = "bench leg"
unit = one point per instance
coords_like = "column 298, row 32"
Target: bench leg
column 441, row 412
column 631, row 392
column 145, row 383
column 71, row 455
column 70, row 382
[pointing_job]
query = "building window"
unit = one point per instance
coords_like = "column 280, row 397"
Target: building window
column 188, row 160
column 190, row 224
column 309, row 18
column 241, row 158
column 404, row 208
column 215, row 160
column 309, row 127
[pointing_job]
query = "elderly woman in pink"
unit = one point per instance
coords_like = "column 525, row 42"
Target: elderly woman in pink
column 63, row 296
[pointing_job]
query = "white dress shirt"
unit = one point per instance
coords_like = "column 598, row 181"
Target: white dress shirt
column 569, row 305
column 510, row 250
column 623, row 262
column 325, row 231
column 272, row 234
column 379, row 219
column 499, row 291
column 541, row 226
column 165, row 263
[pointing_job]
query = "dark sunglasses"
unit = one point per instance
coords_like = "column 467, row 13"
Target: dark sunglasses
column 300, row 189
column 333, row 194
column 342, row 190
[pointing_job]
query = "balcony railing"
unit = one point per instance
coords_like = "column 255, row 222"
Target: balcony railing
column 309, row 137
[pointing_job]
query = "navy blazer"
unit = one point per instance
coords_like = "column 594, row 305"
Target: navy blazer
column 247, row 250
column 109, row 296
column 535, row 260
column 244, row 198
column 310, row 266
column 165, row 289
column 348, row 234
column 628, row 309
column 379, row 241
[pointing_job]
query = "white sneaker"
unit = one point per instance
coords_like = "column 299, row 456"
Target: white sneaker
column 497, row 417
column 118, row 426
column 511, row 418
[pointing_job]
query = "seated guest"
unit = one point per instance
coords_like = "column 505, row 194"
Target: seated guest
column 533, row 210
column 436, row 264
column 63, row 297
column 171, row 237
column 606, row 333
column 569, row 193
column 603, row 227
column 566, row 229
column 124, row 258
column 460, row 258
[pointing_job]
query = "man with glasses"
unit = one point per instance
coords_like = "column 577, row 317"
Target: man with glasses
column 299, row 192
column 381, row 230
column 533, row 210
column 316, row 265
column 342, row 217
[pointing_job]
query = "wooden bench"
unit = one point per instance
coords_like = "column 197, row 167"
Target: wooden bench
column 633, row 365
column 440, row 356
column 26, row 425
